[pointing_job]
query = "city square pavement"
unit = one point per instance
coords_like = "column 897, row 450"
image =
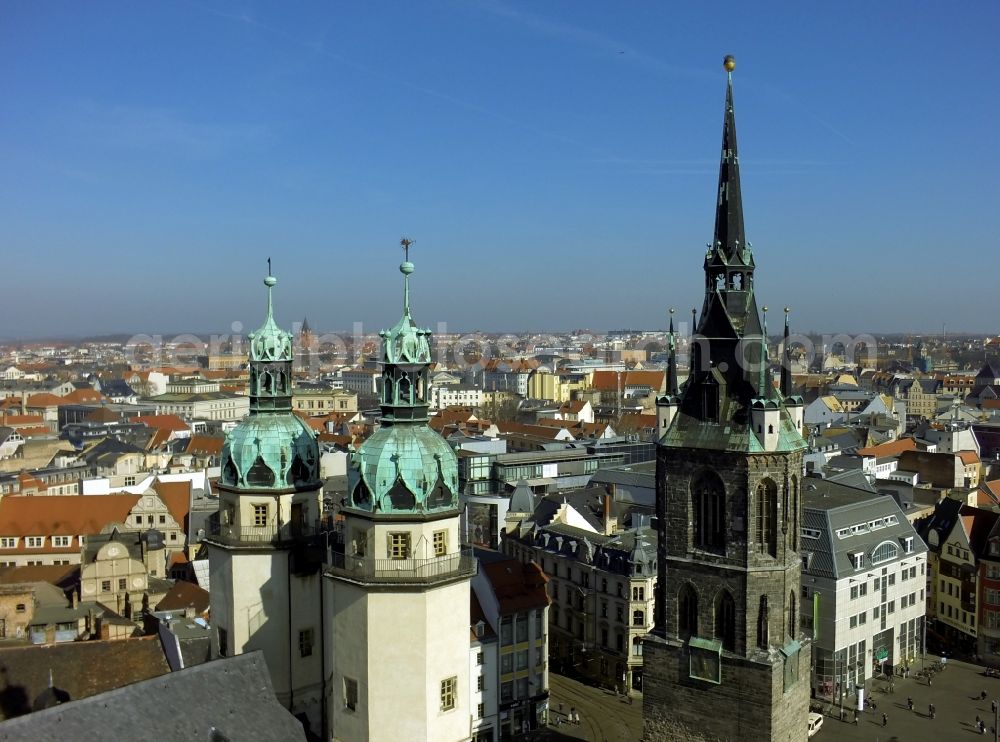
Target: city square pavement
column 955, row 691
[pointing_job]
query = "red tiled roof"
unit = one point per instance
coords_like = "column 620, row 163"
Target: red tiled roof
column 517, row 586
column 968, row 457
column 43, row 400
column 14, row 420
column 892, row 448
column 80, row 396
column 607, row 381
column 182, row 595
column 62, row 515
column 177, row 497
column 205, row 445
column 164, row 422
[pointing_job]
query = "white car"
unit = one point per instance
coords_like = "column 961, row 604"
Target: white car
column 815, row 723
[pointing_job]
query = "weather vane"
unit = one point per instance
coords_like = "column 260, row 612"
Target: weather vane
column 269, row 266
column 406, row 242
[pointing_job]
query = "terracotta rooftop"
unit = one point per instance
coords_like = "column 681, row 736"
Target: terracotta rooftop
column 517, row 586
column 62, row 515
column 163, row 422
column 182, row 595
column 607, row 381
column 890, row 449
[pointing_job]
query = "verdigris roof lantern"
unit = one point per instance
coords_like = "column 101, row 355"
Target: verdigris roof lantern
column 405, row 466
column 272, row 449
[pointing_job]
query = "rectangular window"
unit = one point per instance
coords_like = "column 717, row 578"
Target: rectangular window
column 163, row 519
column 8, row 542
column 506, row 663
column 506, row 691
column 522, row 627
column 61, row 540
column 448, row 686
column 305, row 642
column 34, row 542
column 854, row 592
column 480, row 710
column 479, row 658
column 121, row 583
column 522, row 659
column 854, row 621
column 399, row 545
column 350, row 694
column 863, row 617
column 506, row 630
column 260, row 515
column 105, row 586
column 440, row 543
column 480, row 683
column 864, row 589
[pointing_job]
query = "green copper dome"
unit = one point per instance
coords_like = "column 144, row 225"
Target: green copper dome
column 271, row 449
column 405, row 467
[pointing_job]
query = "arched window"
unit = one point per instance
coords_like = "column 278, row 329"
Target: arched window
column 264, row 386
column 793, row 514
column 260, row 474
column 687, row 612
column 766, row 531
column 708, row 512
column 404, row 390
column 725, row 620
column 638, row 618
column 792, row 616
column 762, row 622
column 884, row 552
column 282, row 383
column 230, row 475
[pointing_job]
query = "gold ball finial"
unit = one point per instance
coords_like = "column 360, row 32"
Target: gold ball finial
column 729, row 63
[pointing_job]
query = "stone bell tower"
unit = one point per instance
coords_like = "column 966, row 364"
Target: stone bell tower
column 726, row 659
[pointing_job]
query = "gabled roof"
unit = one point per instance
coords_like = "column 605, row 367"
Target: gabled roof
column 968, row 457
column 43, row 400
column 62, row 515
column 81, row 669
column 163, row 422
column 177, row 497
column 890, row 449
column 184, row 595
column 170, row 705
column 517, row 586
column 205, row 445
column 607, row 381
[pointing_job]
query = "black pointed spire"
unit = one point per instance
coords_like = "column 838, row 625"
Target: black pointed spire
column 729, row 238
column 672, row 387
column 786, row 363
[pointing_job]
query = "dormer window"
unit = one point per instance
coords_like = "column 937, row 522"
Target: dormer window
column 858, row 558
column 908, row 546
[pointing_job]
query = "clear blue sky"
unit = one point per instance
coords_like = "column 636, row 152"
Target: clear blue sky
column 554, row 161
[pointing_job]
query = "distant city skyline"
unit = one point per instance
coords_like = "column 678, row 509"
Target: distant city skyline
column 555, row 163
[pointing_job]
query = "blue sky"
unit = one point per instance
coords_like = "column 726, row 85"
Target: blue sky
column 556, row 162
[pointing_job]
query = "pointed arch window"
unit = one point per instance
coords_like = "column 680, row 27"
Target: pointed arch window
column 792, row 515
column 260, row 474
column 264, row 384
column 792, row 616
column 762, row 623
column 725, row 620
column 687, row 612
column 708, row 512
column 766, row 530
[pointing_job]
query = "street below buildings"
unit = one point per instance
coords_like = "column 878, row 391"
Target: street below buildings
column 604, row 716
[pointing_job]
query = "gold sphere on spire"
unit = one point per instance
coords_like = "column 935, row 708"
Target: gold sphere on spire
column 729, row 63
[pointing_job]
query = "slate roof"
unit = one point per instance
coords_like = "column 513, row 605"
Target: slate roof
column 242, row 706
column 81, row 669
column 829, row 507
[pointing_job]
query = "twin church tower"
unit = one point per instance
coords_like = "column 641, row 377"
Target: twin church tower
column 365, row 628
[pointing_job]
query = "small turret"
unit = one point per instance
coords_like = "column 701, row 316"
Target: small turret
column 668, row 404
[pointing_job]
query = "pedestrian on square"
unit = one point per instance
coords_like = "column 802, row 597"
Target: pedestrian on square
column 909, row 703
column 931, row 710
column 572, row 713
column 982, row 696
column 885, row 719
column 993, row 706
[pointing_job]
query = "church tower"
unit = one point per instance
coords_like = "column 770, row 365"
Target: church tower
column 264, row 568
column 726, row 659
column 399, row 606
